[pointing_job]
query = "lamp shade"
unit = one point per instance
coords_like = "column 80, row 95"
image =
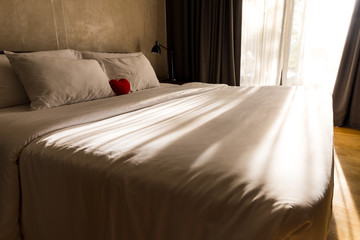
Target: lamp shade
column 156, row 48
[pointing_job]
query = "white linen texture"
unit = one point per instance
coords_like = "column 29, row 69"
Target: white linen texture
column 54, row 81
column 195, row 161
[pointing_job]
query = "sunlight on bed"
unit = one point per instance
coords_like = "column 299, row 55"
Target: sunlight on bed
column 142, row 136
column 246, row 151
column 345, row 211
column 274, row 161
column 145, row 132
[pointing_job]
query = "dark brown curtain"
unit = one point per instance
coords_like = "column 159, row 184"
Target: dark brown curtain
column 346, row 95
column 205, row 36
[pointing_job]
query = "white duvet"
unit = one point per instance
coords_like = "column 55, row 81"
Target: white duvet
column 196, row 161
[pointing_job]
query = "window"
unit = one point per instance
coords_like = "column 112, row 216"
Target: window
column 293, row 42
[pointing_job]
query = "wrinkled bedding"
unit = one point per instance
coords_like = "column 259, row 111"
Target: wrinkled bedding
column 196, row 161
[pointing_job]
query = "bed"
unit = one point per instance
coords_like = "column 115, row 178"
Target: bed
column 196, row 161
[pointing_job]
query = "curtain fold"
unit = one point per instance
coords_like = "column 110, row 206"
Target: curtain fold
column 293, row 42
column 262, row 42
column 206, row 37
column 346, row 94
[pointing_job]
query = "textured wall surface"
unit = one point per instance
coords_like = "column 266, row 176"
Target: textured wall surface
column 94, row 25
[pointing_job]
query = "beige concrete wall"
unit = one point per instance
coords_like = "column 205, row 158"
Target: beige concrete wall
column 94, row 25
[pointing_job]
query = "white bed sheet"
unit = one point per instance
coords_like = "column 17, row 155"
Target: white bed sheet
column 191, row 162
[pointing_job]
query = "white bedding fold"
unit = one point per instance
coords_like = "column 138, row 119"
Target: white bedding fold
column 18, row 127
column 183, row 163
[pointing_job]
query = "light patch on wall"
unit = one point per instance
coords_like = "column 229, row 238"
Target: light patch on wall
column 63, row 13
column 55, row 25
column 21, row 23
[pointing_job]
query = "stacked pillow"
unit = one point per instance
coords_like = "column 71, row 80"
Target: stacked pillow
column 134, row 67
column 53, row 78
column 11, row 90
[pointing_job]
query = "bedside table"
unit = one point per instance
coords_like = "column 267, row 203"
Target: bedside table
column 178, row 82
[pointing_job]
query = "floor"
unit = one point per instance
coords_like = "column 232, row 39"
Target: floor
column 346, row 201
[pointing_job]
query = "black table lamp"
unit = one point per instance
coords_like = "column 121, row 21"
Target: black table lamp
column 157, row 50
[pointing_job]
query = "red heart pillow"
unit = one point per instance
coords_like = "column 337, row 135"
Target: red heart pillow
column 120, row 87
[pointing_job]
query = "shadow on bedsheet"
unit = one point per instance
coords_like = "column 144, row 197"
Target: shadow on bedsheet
column 262, row 126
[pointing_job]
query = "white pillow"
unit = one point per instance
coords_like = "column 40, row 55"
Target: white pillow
column 50, row 81
column 97, row 55
column 12, row 91
column 136, row 69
